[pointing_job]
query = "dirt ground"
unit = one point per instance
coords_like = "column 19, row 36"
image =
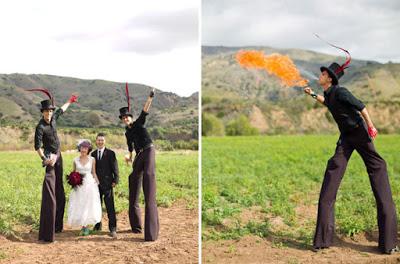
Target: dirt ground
column 252, row 249
column 177, row 243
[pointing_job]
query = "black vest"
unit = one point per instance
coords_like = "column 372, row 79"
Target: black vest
column 347, row 117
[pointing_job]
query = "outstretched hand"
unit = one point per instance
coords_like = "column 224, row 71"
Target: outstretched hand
column 308, row 90
column 73, row 99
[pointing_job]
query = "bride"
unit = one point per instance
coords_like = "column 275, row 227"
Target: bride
column 84, row 200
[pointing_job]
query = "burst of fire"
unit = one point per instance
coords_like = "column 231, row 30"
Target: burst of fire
column 276, row 64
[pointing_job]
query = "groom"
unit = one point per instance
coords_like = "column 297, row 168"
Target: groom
column 107, row 171
column 47, row 145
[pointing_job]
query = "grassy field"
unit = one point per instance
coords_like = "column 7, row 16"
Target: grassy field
column 269, row 186
column 21, row 177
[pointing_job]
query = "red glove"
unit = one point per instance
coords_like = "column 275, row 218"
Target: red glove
column 73, row 99
column 372, row 132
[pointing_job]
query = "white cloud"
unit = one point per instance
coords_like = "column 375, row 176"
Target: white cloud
column 368, row 28
column 151, row 42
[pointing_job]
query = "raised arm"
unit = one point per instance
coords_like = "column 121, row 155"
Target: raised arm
column 142, row 117
column 71, row 100
column 147, row 105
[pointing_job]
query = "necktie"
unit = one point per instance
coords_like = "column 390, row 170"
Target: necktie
column 99, row 154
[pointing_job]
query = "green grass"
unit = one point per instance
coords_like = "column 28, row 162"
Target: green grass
column 277, row 174
column 2, row 255
column 21, row 177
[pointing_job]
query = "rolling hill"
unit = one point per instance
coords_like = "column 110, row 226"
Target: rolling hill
column 229, row 91
column 98, row 103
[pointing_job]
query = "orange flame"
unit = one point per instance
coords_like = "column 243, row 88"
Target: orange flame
column 276, row 64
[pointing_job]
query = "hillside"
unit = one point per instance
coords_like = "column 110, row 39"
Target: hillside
column 98, row 103
column 229, row 91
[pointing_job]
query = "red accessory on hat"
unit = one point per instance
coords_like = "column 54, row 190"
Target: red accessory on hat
column 346, row 64
column 127, row 97
column 45, row 91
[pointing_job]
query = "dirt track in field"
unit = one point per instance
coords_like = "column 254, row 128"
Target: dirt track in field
column 177, row 243
column 252, row 249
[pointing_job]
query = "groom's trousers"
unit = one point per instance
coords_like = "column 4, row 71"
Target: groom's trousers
column 144, row 172
column 357, row 140
column 107, row 194
column 53, row 201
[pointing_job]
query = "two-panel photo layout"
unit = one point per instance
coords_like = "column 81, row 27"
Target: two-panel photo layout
column 200, row 131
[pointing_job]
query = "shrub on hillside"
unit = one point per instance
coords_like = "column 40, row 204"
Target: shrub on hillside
column 240, row 127
column 93, row 119
column 157, row 132
column 182, row 144
column 212, row 126
column 164, row 145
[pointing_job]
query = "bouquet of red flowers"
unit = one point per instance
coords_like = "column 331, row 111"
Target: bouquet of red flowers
column 74, row 179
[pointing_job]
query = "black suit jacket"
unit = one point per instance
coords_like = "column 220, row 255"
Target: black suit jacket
column 106, row 168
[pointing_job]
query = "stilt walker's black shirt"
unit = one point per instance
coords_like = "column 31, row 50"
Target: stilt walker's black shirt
column 46, row 134
column 137, row 136
column 344, row 107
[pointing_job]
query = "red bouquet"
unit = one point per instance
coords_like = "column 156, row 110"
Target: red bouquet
column 74, row 179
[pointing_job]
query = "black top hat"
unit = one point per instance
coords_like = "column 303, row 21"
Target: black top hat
column 46, row 105
column 335, row 71
column 124, row 111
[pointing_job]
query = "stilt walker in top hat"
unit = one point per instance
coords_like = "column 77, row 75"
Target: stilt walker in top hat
column 47, row 145
column 356, row 133
column 143, row 170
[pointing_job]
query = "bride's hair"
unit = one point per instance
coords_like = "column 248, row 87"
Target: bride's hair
column 85, row 143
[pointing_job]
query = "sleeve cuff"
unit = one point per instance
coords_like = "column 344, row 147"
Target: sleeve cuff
column 360, row 107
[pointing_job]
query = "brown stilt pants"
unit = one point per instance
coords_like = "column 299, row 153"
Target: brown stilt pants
column 144, row 172
column 53, row 201
column 376, row 167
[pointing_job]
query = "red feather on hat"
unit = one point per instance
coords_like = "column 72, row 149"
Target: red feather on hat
column 348, row 56
column 127, row 97
column 45, row 91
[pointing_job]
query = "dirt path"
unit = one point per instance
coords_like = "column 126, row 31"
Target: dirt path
column 251, row 249
column 177, row 243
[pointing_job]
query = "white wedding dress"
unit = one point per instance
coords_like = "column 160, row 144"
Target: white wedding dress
column 84, row 200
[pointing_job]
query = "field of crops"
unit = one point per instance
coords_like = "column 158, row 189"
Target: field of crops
column 21, row 177
column 269, row 186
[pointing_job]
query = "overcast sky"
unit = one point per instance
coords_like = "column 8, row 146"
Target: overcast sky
column 153, row 42
column 369, row 29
